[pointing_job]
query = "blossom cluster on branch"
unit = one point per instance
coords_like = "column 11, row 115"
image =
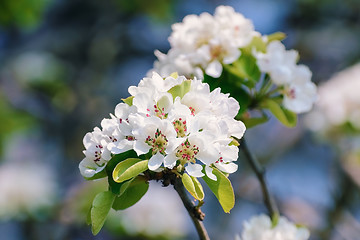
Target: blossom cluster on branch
column 179, row 123
column 180, row 128
column 206, row 46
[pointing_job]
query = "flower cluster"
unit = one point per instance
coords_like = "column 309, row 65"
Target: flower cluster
column 207, row 45
column 261, row 228
column 177, row 123
column 339, row 102
column 205, row 42
column 298, row 90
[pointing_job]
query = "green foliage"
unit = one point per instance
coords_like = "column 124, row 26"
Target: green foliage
column 252, row 122
column 286, row 117
column 256, row 44
column 128, row 100
column 99, row 210
column 279, row 36
column 222, row 189
column 22, row 13
column 130, row 193
column 181, row 89
column 193, row 186
column 159, row 9
column 114, row 186
column 129, row 168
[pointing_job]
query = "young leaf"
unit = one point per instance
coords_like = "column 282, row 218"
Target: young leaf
column 99, row 210
column 276, row 36
column 285, row 116
column 114, row 186
column 129, row 168
column 181, row 89
column 193, row 186
column 128, row 100
column 256, row 44
column 174, row 75
column 252, row 122
column 130, row 193
column 222, row 189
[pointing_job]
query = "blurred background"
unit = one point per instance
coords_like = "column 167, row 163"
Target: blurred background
column 65, row 64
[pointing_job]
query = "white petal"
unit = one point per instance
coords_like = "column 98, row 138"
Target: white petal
column 170, row 160
column 156, row 161
column 140, row 147
column 214, row 69
column 88, row 168
column 227, row 167
column 209, row 173
column 194, row 170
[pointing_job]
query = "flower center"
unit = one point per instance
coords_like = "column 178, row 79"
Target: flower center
column 158, row 143
column 130, row 138
column 159, row 112
column 180, row 127
column 97, row 153
column 291, row 93
column 216, row 52
column 186, row 152
column 192, row 110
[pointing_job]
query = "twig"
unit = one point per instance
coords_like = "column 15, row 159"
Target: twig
column 260, row 174
column 195, row 213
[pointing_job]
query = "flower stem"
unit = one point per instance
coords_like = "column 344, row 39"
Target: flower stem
column 195, row 213
column 260, row 174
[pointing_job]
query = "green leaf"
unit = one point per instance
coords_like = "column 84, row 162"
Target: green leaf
column 286, row 117
column 276, row 36
column 130, row 193
column 222, row 189
column 128, row 101
column 252, row 122
column 99, row 210
column 193, row 186
column 181, row 89
column 174, row 75
column 114, row 186
column 129, row 168
column 246, row 66
column 256, row 44
column 88, row 217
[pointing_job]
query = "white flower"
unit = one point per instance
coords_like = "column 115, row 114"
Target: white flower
column 338, row 103
column 26, row 189
column 300, row 93
column 234, row 26
column 96, row 153
column 298, row 90
column 205, row 42
column 121, row 135
column 155, row 84
column 261, row 228
column 175, row 61
column 156, row 135
column 278, row 62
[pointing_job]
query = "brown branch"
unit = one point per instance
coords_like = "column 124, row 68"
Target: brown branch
column 168, row 177
column 260, row 174
column 195, row 213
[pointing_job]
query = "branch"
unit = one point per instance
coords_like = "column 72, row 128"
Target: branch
column 260, row 174
column 195, row 213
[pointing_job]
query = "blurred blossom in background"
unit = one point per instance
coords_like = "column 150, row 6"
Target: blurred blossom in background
column 64, row 65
